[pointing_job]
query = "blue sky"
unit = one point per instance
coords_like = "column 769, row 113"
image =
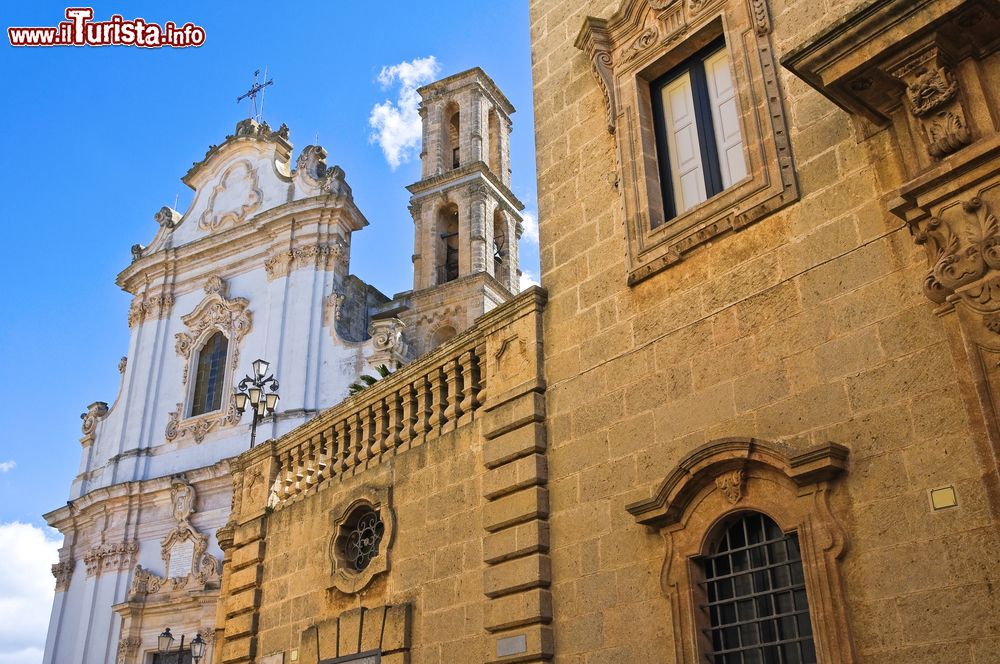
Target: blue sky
column 98, row 138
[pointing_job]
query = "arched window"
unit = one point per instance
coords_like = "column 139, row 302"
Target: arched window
column 494, row 148
column 209, row 375
column 501, row 248
column 447, row 223
column 453, row 133
column 756, row 596
column 441, row 335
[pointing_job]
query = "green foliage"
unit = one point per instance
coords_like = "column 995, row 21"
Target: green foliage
column 366, row 381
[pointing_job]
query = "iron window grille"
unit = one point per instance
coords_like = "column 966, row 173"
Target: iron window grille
column 757, row 604
column 360, row 538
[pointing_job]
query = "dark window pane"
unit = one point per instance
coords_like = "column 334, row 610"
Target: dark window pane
column 209, row 375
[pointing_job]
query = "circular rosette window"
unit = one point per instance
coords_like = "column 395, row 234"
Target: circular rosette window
column 360, row 537
column 361, row 540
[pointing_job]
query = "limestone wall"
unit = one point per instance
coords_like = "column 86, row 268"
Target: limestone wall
column 805, row 327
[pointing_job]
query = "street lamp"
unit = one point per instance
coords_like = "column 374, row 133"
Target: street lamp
column 251, row 389
column 166, row 639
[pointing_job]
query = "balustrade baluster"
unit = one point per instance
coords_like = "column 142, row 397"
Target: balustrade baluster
column 408, row 412
column 468, row 379
column 422, row 397
column 289, row 472
column 481, row 374
column 452, row 408
column 312, row 452
column 343, row 446
column 357, row 439
column 323, row 455
column 437, row 401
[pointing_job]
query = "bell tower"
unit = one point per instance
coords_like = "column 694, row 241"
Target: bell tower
column 466, row 219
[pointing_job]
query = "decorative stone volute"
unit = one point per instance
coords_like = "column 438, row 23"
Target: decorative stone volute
column 387, row 340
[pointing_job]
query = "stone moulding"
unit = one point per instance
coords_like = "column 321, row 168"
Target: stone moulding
column 793, row 488
column 643, row 40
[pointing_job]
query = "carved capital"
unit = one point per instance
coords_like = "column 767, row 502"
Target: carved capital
column 110, row 557
column 127, row 648
column 63, row 572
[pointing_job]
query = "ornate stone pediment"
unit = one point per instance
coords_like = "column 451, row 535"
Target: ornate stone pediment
column 215, row 312
column 185, row 561
column 311, row 170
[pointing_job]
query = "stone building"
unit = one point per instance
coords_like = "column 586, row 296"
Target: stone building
column 751, row 417
column 258, row 267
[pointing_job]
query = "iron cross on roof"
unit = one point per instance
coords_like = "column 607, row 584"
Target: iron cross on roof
column 255, row 89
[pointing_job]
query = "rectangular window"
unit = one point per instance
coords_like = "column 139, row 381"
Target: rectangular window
column 698, row 140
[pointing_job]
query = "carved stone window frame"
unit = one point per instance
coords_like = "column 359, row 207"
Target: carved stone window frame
column 215, row 313
column 640, row 42
column 345, row 579
column 724, row 478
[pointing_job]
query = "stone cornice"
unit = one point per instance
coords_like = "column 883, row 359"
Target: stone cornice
column 477, row 77
column 463, row 175
column 850, row 61
column 60, row 517
column 257, row 236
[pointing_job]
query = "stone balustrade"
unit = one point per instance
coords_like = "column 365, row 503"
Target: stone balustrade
column 440, row 392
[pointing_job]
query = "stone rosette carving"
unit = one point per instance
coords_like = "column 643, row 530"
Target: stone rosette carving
column 95, row 412
column 110, row 557
column 63, row 572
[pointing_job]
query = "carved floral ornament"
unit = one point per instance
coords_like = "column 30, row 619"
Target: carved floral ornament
column 317, row 256
column 963, row 249
column 145, row 308
column 110, row 557
column 63, row 572
column 722, row 479
column 128, row 646
column 932, row 97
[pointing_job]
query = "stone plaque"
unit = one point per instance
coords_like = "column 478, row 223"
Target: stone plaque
column 512, row 645
column 181, row 557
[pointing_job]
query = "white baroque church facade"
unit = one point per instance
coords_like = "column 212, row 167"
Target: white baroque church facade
column 258, row 266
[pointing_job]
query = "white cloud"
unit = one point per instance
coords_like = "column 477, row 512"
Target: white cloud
column 396, row 124
column 6, row 466
column 528, row 280
column 530, row 222
column 26, row 589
